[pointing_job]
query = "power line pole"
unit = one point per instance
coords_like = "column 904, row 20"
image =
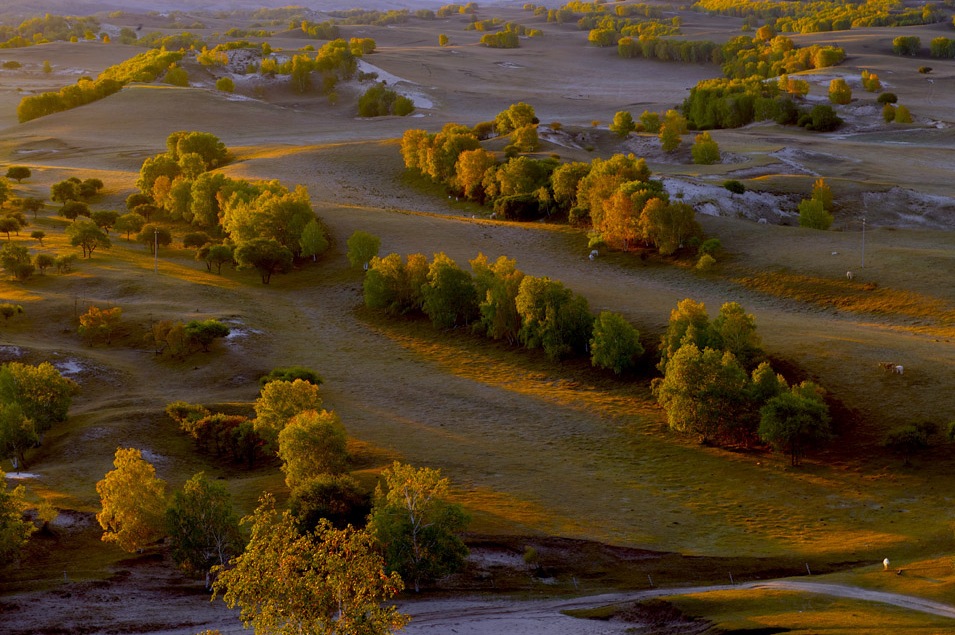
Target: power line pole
column 863, row 242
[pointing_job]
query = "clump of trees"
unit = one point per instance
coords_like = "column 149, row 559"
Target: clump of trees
column 717, row 385
column 179, row 339
column 32, row 400
column 145, row 67
column 379, row 101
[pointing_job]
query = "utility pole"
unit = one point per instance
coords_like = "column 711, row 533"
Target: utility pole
column 863, row 242
column 156, row 249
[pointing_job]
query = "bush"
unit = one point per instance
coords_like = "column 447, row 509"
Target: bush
column 813, row 215
column 735, row 187
column 705, row 263
column 887, row 98
column 291, row 373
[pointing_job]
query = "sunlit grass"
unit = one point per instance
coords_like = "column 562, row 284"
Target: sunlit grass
column 804, row 613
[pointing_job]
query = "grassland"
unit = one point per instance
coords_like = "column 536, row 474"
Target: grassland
column 532, row 448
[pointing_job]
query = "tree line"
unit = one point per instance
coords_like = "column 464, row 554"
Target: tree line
column 822, row 15
column 145, row 67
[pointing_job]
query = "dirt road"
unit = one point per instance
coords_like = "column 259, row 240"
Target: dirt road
column 485, row 617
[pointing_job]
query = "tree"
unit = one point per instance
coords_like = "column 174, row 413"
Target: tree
column 650, row 121
column 823, row 193
column 667, row 226
column 85, row 234
column 202, row 526
column 205, row 332
column 41, row 391
column 31, row 204
column 225, row 84
column 18, row 173
column 516, row 116
column 796, row 420
column 909, row 440
column 8, row 225
column 334, row 497
column 615, row 343
column 14, row 529
column 497, row 287
column 902, row 114
column 213, row 152
column 63, row 191
column 279, row 401
column 442, row 39
column 18, row 433
column 153, row 237
column 177, row 76
column 329, row 582
column 839, row 91
column 217, row 255
column 74, row 209
column 734, row 330
column 13, row 258
column 415, row 525
column 291, row 373
column 313, row 240
column 813, row 215
column 670, row 138
column 99, row 323
column 131, row 223
column 133, row 502
column 265, row 255
column 450, row 298
column 195, row 240
column 105, row 219
column 553, row 317
column 311, row 444
column 362, row 247
column 622, row 124
column 705, row 151
column 43, row 262
column 702, row 391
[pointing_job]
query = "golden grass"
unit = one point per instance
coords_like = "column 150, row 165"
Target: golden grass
column 801, row 613
column 856, row 297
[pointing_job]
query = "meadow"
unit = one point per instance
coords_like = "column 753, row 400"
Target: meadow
column 534, row 449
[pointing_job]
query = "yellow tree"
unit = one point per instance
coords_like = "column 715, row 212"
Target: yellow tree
column 99, row 323
column 279, row 401
column 133, row 502
column 313, row 443
column 329, row 582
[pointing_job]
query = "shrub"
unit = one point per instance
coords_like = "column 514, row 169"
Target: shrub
column 887, row 98
column 734, row 186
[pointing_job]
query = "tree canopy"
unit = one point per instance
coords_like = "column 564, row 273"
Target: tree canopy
column 133, row 502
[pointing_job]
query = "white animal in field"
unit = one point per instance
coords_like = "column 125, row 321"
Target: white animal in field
column 850, row 275
column 899, row 370
column 762, row 221
column 593, row 254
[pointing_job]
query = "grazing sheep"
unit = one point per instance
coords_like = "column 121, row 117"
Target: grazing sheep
column 899, row 370
column 850, row 275
column 593, row 254
column 885, row 564
column 888, row 366
column 762, row 221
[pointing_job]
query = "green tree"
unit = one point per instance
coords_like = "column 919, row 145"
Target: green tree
column 497, row 286
column 622, row 124
column 796, row 420
column 14, row 529
column 650, row 121
column 823, row 193
column 395, row 286
column 313, row 240
column 362, row 247
column 105, row 219
column 291, row 373
column 812, row 214
column 225, row 84
column 8, row 310
column 265, row 255
column 131, row 223
column 670, row 138
column 615, row 344
column 205, row 332
column 202, row 526
column 64, row 191
column 702, row 392
column 216, row 255
column 734, row 330
column 705, row 151
column 311, row 444
column 133, row 502
column 41, row 391
column 74, row 209
column 327, row 582
column 279, row 401
column 8, row 225
column 450, row 298
column 902, row 114
column 908, row 440
column 553, row 317
column 18, row 173
column 17, row 434
column 85, row 234
column 153, row 237
column 416, row 526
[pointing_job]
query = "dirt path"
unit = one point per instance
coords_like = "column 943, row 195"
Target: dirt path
column 485, row 617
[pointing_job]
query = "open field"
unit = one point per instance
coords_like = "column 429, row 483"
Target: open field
column 534, row 449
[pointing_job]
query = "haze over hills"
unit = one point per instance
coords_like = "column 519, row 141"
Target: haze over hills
column 88, row 7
